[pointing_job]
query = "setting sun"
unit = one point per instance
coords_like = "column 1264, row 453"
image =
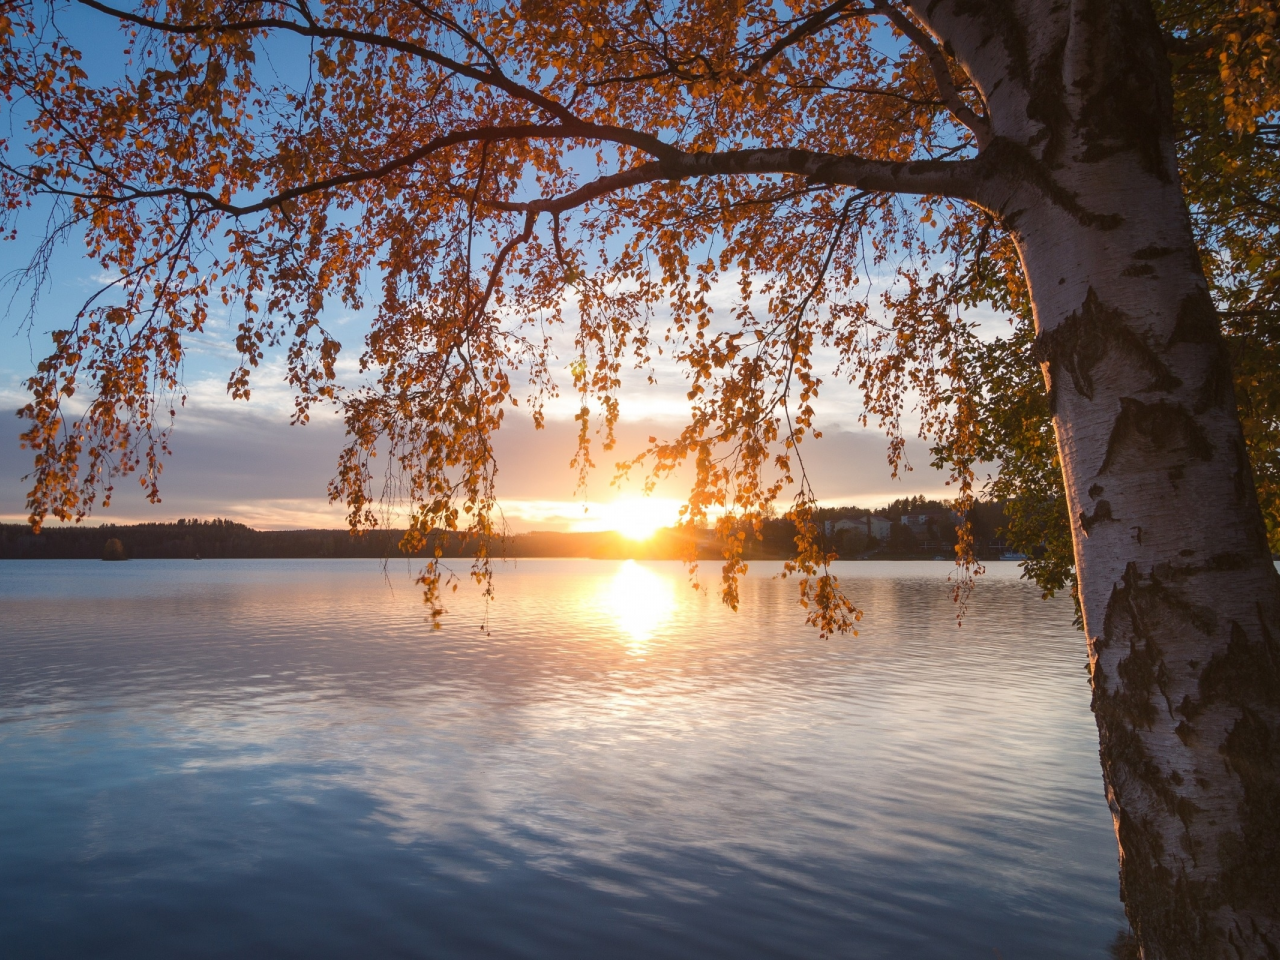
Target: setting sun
column 638, row 518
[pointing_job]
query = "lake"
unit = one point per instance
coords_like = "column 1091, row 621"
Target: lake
column 270, row 758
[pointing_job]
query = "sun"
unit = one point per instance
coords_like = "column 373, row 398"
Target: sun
column 639, row 518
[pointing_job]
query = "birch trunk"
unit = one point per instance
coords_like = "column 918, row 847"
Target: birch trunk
column 1181, row 600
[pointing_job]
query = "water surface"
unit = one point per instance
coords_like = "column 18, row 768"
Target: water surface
column 281, row 759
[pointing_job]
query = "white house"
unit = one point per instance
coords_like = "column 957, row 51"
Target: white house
column 877, row 527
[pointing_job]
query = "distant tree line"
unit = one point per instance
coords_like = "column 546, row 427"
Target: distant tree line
column 909, row 528
column 187, row 539
column 228, row 539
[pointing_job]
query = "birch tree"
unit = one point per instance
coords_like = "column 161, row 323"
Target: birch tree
column 481, row 177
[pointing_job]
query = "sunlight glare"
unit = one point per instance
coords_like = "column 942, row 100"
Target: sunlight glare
column 639, row 518
column 641, row 601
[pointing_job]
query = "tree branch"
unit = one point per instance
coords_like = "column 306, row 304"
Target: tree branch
column 492, row 76
column 435, row 145
column 840, row 10
column 956, row 178
column 941, row 70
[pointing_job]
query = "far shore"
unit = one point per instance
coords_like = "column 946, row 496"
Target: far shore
column 228, row 540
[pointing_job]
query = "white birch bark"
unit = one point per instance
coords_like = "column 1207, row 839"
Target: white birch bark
column 1180, row 598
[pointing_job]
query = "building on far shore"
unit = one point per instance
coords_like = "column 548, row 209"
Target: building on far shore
column 877, row 527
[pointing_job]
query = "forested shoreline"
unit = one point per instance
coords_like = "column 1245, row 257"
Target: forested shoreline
column 846, row 529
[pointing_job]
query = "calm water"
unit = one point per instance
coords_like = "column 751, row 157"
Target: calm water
column 280, row 759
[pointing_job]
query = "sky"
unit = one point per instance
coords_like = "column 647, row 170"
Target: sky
column 244, row 461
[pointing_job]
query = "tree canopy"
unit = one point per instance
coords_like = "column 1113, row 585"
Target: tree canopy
column 483, row 179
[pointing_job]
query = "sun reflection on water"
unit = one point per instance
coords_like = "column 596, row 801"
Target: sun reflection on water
column 641, row 601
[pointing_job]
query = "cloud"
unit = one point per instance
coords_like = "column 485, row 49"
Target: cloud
column 237, row 465
column 246, row 463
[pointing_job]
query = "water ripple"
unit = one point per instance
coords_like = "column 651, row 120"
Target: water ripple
column 281, row 758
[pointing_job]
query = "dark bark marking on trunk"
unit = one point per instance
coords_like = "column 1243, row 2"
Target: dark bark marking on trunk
column 1246, row 672
column 1217, row 389
column 1187, row 810
column 1251, row 864
column 1154, row 252
column 1137, row 609
column 1127, row 106
column 1139, row 270
column 1015, row 163
column 1165, row 906
column 1197, row 320
column 1229, row 674
column 1083, row 340
column 1228, row 561
column 1000, row 19
column 1101, row 513
column 1242, row 477
column 1046, row 105
column 1197, row 324
column 1246, row 492
column 1154, row 435
column 1157, row 900
column 1095, row 491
